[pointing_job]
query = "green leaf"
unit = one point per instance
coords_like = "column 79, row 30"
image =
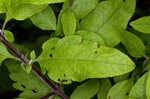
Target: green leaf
column 105, row 16
column 4, row 54
column 2, row 7
column 42, row 1
column 138, row 91
column 81, row 8
column 32, row 55
column 121, row 78
column 142, row 24
column 120, row 90
column 68, row 21
column 148, row 86
column 9, row 36
column 91, row 36
column 18, row 10
column 32, row 87
column 72, row 58
column 132, row 43
column 45, row 20
column 86, row 90
column 104, row 87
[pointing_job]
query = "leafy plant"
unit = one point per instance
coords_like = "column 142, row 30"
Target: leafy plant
column 74, row 49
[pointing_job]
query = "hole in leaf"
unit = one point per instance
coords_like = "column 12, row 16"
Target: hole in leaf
column 127, row 93
column 51, row 55
column 98, row 45
column 64, row 75
column 23, row 86
column 34, row 91
column 59, row 79
column 124, row 0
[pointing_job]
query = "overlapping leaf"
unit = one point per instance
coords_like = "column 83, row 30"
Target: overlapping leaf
column 148, row 86
column 132, row 43
column 139, row 89
column 71, row 58
column 120, row 90
column 3, row 49
column 142, row 24
column 104, row 87
column 32, row 87
column 107, row 15
column 86, row 91
column 45, row 20
column 18, row 10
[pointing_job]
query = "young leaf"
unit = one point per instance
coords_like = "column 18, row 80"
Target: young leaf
column 2, row 7
column 120, row 90
column 32, row 55
column 68, row 21
column 9, row 36
column 148, row 86
column 142, row 24
column 45, row 20
column 31, row 86
column 42, row 1
column 72, row 58
column 106, row 15
column 138, row 91
column 104, row 87
column 86, row 90
column 4, row 54
column 91, row 36
column 132, row 43
column 81, row 8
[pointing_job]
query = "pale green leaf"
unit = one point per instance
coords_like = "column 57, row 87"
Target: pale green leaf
column 148, row 86
column 142, row 24
column 91, row 36
column 72, row 58
column 42, row 1
column 105, row 16
column 31, row 86
column 104, row 87
column 45, row 20
column 4, row 54
column 32, row 55
column 86, row 90
column 120, row 90
column 138, row 91
column 68, row 21
column 18, row 10
column 132, row 43
column 9, row 36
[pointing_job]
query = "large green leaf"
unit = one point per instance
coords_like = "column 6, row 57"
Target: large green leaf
column 132, row 43
column 86, row 91
column 68, row 21
column 138, row 91
column 42, row 1
column 45, row 20
column 107, row 15
column 72, row 58
column 142, row 24
column 148, row 86
column 120, row 90
column 18, row 10
column 32, row 87
column 104, row 87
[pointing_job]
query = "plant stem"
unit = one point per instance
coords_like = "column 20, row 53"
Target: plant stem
column 144, row 66
column 34, row 69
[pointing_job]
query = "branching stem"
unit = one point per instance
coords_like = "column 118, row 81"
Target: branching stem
column 54, row 88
